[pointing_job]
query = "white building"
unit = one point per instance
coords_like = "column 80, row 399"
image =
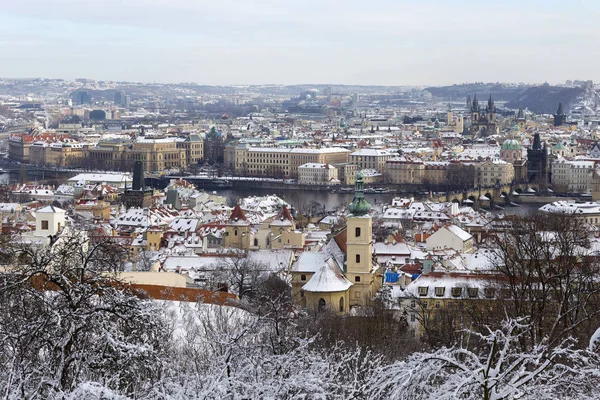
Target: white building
column 450, row 237
column 572, row 176
column 119, row 181
column 317, row 174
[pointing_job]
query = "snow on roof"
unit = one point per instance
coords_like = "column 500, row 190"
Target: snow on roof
column 50, row 210
column 373, row 152
column 103, row 177
column 328, row 278
column 391, row 248
column 9, row 207
column 463, row 235
column 310, row 261
column 185, row 224
column 316, row 166
column 424, row 286
column 566, row 207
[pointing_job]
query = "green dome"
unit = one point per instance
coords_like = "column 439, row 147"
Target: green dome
column 558, row 146
column 511, row 144
column 516, row 127
column 359, row 206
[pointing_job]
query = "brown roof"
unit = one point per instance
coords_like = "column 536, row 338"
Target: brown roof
column 284, row 213
column 237, row 214
column 340, row 239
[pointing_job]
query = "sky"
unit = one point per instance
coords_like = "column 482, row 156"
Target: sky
column 367, row 42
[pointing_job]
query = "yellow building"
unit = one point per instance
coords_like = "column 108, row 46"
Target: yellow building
column 280, row 162
column 401, row 170
column 237, row 231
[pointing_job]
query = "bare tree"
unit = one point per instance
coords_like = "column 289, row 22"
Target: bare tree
column 65, row 319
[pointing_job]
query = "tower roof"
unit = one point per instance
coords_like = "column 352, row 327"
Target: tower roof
column 359, row 205
column 329, row 278
column 284, row 214
column 237, row 214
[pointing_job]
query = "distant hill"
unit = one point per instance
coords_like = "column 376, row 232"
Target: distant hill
column 544, row 99
column 499, row 91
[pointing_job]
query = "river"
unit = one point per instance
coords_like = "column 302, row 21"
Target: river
column 301, row 199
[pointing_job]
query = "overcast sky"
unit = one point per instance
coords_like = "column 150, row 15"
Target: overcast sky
column 378, row 42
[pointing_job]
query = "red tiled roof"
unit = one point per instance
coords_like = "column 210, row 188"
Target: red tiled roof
column 237, row 214
column 284, row 213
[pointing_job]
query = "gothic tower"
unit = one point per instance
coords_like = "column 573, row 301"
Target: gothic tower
column 560, row 117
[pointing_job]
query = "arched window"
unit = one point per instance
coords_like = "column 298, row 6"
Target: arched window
column 358, row 258
column 341, row 304
column 255, row 242
column 357, row 232
column 322, row 304
column 235, row 232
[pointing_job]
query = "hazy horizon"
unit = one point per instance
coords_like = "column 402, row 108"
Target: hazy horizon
column 273, row 42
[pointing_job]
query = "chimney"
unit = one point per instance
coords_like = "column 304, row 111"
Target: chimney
column 138, row 176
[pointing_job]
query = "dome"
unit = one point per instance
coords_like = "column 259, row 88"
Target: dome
column 511, row 144
column 558, row 146
column 359, row 206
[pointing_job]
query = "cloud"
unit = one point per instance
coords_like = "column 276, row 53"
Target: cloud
column 290, row 41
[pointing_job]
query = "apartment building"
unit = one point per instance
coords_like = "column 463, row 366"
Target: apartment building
column 494, row 172
column 317, row 174
column 402, row 170
column 280, row 162
column 371, row 158
column 572, row 175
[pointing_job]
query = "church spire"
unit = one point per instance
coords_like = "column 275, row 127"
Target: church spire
column 359, row 206
column 491, row 106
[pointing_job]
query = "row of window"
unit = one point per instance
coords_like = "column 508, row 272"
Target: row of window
column 472, row 292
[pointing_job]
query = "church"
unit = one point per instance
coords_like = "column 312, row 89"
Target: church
column 483, row 120
column 343, row 273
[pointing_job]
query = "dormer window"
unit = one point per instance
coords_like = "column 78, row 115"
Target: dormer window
column 423, row 290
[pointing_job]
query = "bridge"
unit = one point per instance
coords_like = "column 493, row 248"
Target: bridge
column 486, row 197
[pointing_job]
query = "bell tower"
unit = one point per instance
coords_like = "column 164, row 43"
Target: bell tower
column 237, row 230
column 360, row 269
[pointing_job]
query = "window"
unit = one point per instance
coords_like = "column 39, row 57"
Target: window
column 489, row 292
column 357, row 232
column 44, row 224
column 235, row 232
column 358, row 258
column 322, row 304
column 456, row 291
column 439, row 291
column 437, row 304
column 302, row 277
column 424, row 304
column 341, row 304
column 357, row 295
column 412, row 303
column 302, row 293
column 357, row 279
column 412, row 318
column 423, row 290
column 472, row 292
column 255, row 242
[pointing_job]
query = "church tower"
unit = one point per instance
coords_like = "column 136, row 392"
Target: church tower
column 360, row 268
column 491, row 110
column 560, row 117
column 237, row 230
